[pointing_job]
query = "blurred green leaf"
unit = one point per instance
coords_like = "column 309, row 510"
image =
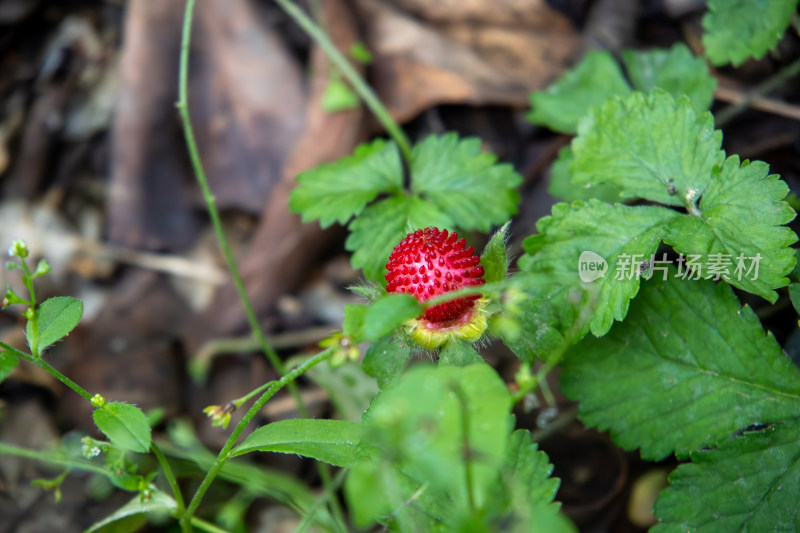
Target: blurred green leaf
column 133, row 515
column 7, row 363
column 561, row 186
column 736, row 30
column 593, row 80
column 421, row 426
column 674, row 70
column 458, row 352
column 387, row 314
column 338, row 96
column 386, row 359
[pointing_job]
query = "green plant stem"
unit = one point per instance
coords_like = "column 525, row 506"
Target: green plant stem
column 7, row 449
column 207, row 526
column 780, row 77
column 200, row 175
column 239, row 401
column 208, row 196
column 173, row 483
column 359, row 85
column 27, row 279
column 41, row 363
column 224, row 454
column 467, row 451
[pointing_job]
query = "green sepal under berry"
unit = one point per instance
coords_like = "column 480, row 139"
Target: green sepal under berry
column 688, row 367
column 747, row 483
column 736, row 30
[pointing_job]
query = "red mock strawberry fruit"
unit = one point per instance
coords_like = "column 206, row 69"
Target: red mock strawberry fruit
column 429, row 263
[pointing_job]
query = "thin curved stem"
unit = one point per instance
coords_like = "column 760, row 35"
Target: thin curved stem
column 173, row 482
column 224, row 454
column 44, row 457
column 356, row 81
column 41, row 363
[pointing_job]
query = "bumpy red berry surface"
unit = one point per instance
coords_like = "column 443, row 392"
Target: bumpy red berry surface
column 428, row 263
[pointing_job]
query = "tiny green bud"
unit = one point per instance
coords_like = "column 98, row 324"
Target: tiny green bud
column 90, row 447
column 11, row 298
column 42, row 268
column 343, row 349
column 11, row 265
column 524, row 377
column 19, row 249
column 30, row 313
column 98, row 401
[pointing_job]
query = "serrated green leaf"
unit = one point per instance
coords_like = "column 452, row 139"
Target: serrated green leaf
column 7, row 363
column 530, row 469
column 688, row 367
column 386, row 359
column 749, row 483
column 334, row 192
column 738, row 227
column 561, row 186
column 674, row 70
column 338, row 96
column 56, row 318
column 652, row 147
column 466, row 184
column 494, row 258
column 133, row 515
column 596, row 78
column 736, row 30
column 332, row 441
column 458, row 352
column 125, row 425
column 621, row 236
column 382, row 226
